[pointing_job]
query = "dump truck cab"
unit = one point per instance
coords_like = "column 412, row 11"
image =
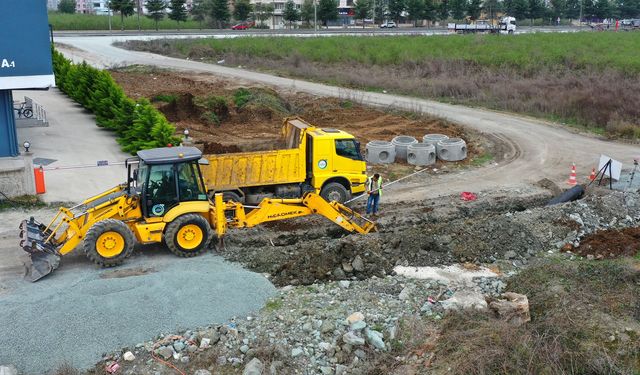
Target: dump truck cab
column 335, row 166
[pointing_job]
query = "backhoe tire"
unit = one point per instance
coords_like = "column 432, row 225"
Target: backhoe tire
column 109, row 242
column 188, row 235
column 334, row 191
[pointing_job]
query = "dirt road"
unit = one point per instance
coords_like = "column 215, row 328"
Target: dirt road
column 533, row 149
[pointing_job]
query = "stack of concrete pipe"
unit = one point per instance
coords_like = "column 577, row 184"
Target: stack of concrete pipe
column 402, row 143
column 407, row 148
column 452, row 149
column 434, row 138
column 421, row 154
column 380, row 152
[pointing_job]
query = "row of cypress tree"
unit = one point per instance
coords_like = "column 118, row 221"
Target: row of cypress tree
column 137, row 124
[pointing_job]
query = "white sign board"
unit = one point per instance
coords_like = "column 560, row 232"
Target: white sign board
column 616, row 167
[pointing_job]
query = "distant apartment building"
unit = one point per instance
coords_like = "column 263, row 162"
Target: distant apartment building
column 345, row 13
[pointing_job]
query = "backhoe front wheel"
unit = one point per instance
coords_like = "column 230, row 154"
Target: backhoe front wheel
column 188, row 235
column 108, row 243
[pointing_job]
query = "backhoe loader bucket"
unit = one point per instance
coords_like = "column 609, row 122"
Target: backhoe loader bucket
column 44, row 254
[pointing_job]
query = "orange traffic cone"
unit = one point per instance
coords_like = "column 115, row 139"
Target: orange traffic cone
column 572, row 177
column 592, row 176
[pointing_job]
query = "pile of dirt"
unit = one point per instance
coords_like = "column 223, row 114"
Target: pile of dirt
column 254, row 125
column 500, row 227
column 611, row 243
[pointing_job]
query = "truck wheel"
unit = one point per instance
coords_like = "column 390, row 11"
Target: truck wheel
column 108, row 243
column 231, row 196
column 188, row 235
column 334, row 191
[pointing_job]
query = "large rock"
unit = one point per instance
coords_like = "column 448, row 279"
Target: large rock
column 513, row 309
column 463, row 300
column 128, row 356
column 352, row 339
column 165, row 352
column 8, row 370
column 358, row 264
column 296, row 352
column 254, row 367
column 374, row 338
column 356, row 316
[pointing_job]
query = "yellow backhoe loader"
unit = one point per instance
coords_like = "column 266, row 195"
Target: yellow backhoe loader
column 164, row 199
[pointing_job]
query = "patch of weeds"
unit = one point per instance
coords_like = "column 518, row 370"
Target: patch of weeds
column 273, row 305
column 167, row 98
column 241, row 97
column 311, row 289
column 211, row 118
column 575, row 307
column 136, row 68
column 346, row 104
column 482, row 159
column 216, row 108
column 23, row 201
column 217, row 104
column 261, row 98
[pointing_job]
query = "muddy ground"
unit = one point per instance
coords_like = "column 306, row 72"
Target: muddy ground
column 509, row 227
column 257, row 124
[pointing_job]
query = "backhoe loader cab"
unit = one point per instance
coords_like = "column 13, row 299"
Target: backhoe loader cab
column 165, row 177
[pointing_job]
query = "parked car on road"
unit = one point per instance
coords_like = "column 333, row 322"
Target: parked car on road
column 242, row 26
column 388, row 24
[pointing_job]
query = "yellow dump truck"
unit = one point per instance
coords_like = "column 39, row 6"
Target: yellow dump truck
column 321, row 160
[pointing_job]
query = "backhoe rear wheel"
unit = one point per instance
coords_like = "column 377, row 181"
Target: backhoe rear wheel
column 109, row 242
column 188, row 235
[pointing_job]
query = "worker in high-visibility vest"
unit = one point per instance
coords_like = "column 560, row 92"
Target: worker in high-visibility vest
column 374, row 189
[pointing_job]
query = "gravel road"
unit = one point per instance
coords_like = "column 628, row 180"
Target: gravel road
column 532, row 149
column 80, row 312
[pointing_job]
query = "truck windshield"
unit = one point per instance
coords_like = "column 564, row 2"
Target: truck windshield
column 348, row 148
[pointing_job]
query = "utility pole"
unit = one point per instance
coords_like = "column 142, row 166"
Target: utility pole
column 138, row 11
column 374, row 14
column 580, row 20
column 315, row 16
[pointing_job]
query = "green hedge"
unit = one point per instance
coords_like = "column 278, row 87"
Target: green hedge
column 138, row 125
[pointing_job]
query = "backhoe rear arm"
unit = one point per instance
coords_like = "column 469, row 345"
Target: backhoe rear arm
column 271, row 209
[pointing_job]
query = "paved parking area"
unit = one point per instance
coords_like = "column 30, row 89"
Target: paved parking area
column 72, row 139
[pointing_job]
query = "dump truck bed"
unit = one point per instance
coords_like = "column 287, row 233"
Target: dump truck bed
column 245, row 169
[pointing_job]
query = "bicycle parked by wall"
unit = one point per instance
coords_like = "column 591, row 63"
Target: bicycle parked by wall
column 23, row 110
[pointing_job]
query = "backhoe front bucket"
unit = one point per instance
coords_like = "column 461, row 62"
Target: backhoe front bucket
column 34, row 239
column 42, row 264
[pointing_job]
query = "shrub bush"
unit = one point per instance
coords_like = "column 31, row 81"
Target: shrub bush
column 241, row 97
column 138, row 125
column 167, row 98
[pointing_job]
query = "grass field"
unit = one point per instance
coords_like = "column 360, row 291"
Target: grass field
column 529, row 52
column 590, row 80
column 62, row 21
